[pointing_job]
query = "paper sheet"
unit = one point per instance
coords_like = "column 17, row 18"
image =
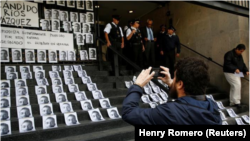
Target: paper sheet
column 239, row 74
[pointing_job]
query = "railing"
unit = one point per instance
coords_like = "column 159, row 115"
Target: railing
column 117, row 54
column 208, row 58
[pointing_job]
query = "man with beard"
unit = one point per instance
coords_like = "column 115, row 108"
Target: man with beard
column 188, row 86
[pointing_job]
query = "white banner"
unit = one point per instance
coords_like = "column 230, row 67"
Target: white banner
column 18, row 13
column 35, row 39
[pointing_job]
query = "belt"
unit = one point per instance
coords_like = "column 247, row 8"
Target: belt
column 150, row 41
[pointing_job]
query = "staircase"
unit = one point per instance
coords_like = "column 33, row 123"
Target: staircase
column 107, row 130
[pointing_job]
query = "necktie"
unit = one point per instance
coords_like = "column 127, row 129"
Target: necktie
column 150, row 34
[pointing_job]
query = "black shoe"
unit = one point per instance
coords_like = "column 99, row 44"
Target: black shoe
column 238, row 106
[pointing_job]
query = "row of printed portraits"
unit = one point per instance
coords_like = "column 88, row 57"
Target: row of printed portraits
column 60, row 15
column 41, row 55
column 71, row 3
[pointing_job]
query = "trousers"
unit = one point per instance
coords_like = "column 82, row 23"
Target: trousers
column 235, row 88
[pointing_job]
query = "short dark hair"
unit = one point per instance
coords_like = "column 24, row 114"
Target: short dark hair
column 193, row 73
column 240, row 47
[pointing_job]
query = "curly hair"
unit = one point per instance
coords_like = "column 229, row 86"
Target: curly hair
column 193, row 73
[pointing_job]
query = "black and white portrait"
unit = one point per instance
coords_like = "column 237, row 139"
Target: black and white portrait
column 20, row 82
column 245, row 118
column 80, row 96
column 66, row 107
column 83, row 18
column 90, row 17
column 49, row 122
column 89, row 38
column 22, row 100
column 45, row 23
column 86, row 105
column 220, row 105
column 61, row 97
column 82, row 73
column 60, row 2
column 89, row 4
column 67, row 73
column 80, row 4
column 63, row 55
column 85, row 28
column 5, row 55
column 145, row 99
column 67, row 26
column 84, row 55
column 55, row 14
column 56, row 68
column 43, row 99
column 11, row 75
column 22, row 91
column 40, row 74
column 41, row 56
column 42, row 82
column 231, row 112
column 47, row 14
column 5, row 92
column 71, row 56
column 56, row 81
column 105, row 103
column 57, row 89
column 64, row 15
column 239, row 121
column 77, row 27
column 155, row 97
column 95, row 115
column 10, row 69
column 24, row 111
column 80, row 39
column 92, row 86
column 77, row 67
column 54, row 74
column 26, row 125
column 156, row 89
column 5, row 83
column 26, row 75
column 224, row 123
column 97, row 94
column 37, row 68
column 113, row 113
column 73, row 88
column 55, row 25
column 92, row 53
column 152, row 84
column 50, row 1
column 128, row 84
column 69, row 80
column 39, row 1
column 5, row 114
column 162, row 102
column 73, row 16
column 86, row 79
column 16, row 55
column 41, row 90
column 147, row 89
column 46, row 109
column 153, row 104
column 23, row 69
column 5, row 128
column 222, row 115
column 68, row 67
column 52, row 56
column 163, row 96
column 71, row 119
column 5, row 102
column 71, row 3
column 211, row 97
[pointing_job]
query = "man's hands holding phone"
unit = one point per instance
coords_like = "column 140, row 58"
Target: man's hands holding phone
column 165, row 76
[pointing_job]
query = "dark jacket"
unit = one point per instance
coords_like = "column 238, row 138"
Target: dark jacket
column 232, row 61
column 180, row 112
column 144, row 33
column 170, row 43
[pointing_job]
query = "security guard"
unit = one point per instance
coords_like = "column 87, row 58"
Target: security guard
column 114, row 37
column 133, row 35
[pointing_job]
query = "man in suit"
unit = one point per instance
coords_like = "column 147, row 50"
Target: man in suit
column 149, row 40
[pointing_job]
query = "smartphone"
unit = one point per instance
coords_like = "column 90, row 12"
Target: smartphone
column 160, row 74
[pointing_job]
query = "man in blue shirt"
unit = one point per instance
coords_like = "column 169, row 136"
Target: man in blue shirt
column 191, row 107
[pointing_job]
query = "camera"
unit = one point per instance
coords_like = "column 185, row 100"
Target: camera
column 157, row 72
column 160, row 74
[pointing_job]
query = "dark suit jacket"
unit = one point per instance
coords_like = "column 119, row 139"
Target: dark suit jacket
column 144, row 33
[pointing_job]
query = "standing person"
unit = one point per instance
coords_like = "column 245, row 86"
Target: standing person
column 149, row 43
column 134, row 37
column 114, row 37
column 234, row 63
column 159, row 57
column 168, row 47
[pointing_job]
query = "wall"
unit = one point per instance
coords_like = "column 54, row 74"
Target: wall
column 210, row 32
